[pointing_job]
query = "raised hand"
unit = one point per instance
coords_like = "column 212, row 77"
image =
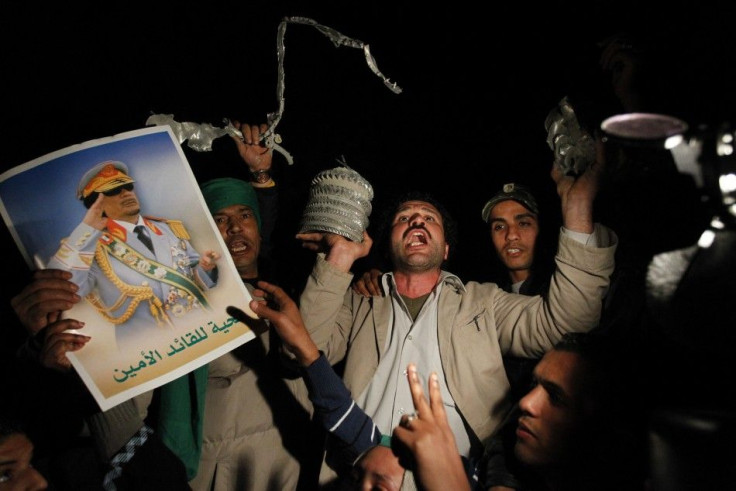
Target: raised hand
column 577, row 193
column 252, row 150
column 95, row 214
column 286, row 319
column 208, row 260
column 340, row 252
column 427, row 436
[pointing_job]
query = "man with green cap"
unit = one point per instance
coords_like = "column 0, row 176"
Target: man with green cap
column 257, row 412
column 252, row 415
column 234, row 207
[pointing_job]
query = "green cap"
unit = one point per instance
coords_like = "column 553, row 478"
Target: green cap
column 227, row 191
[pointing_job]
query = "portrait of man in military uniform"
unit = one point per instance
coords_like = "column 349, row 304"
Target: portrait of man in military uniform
column 138, row 271
column 125, row 216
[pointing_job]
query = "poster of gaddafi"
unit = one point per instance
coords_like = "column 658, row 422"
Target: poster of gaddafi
column 125, row 216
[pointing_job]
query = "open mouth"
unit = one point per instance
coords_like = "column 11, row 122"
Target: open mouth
column 416, row 238
column 238, row 247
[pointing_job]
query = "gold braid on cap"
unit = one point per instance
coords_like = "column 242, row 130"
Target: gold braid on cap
column 136, row 293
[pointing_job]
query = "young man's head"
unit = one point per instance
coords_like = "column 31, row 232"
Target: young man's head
column 16, row 453
column 583, row 397
column 419, row 231
column 111, row 179
column 553, row 412
column 513, row 217
column 234, row 207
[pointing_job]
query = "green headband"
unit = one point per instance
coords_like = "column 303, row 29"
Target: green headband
column 226, row 191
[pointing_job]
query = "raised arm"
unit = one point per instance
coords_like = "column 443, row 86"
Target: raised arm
column 334, row 407
column 577, row 194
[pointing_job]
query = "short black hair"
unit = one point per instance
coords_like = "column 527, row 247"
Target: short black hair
column 611, row 376
column 10, row 427
column 594, row 348
column 578, row 342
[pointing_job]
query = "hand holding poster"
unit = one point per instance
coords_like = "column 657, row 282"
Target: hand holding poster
column 130, row 224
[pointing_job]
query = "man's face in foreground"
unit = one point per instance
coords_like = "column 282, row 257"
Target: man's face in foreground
column 552, row 416
column 418, row 237
column 16, row 472
column 239, row 229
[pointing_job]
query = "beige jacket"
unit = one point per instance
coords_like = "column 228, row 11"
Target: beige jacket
column 257, row 424
column 478, row 323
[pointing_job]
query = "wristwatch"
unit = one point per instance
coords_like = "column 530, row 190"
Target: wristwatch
column 260, row 176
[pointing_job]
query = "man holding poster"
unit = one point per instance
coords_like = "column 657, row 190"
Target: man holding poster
column 255, row 410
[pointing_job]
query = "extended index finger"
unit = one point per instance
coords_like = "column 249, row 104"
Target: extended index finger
column 281, row 298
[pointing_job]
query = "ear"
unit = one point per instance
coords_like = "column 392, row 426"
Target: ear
column 447, row 252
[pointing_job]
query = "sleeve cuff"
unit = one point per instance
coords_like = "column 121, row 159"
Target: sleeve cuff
column 112, row 429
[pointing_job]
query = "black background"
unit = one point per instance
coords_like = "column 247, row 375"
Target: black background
column 478, row 80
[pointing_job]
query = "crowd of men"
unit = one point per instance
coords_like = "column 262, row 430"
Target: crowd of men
column 405, row 377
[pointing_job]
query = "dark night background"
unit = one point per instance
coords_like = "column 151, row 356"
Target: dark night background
column 478, row 82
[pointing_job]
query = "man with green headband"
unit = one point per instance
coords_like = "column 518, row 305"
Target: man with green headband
column 252, row 414
column 257, row 414
column 234, row 207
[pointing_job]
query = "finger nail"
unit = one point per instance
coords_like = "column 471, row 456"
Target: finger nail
column 413, row 373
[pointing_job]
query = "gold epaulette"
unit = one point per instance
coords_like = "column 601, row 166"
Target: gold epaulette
column 176, row 226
